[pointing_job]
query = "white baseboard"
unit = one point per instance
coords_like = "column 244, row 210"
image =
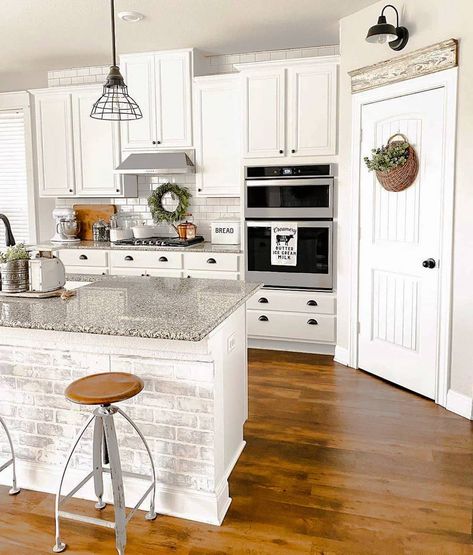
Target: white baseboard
column 341, row 355
column 291, row 346
column 201, row 506
column 460, row 404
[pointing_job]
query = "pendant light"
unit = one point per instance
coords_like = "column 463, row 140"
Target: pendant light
column 115, row 104
column 383, row 31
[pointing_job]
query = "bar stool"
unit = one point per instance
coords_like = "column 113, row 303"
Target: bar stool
column 14, row 490
column 103, row 390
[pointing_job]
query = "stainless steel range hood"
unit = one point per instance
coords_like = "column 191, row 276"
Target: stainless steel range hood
column 156, row 163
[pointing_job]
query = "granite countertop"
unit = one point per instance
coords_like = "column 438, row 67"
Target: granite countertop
column 101, row 245
column 158, row 308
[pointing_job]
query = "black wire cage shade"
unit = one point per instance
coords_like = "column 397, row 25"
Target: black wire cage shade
column 115, row 104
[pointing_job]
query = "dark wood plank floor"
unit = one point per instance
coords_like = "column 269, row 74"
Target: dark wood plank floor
column 337, row 462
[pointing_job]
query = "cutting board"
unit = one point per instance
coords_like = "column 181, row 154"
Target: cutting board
column 34, row 294
column 88, row 214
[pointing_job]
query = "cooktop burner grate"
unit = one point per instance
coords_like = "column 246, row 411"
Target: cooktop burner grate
column 161, row 241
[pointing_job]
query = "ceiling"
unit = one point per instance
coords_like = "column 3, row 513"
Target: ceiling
column 53, row 34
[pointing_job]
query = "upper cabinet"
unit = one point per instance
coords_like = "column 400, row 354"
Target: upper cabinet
column 289, row 108
column 160, row 83
column 76, row 154
column 217, row 125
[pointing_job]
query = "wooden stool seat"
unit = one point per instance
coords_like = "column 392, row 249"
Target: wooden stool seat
column 103, row 389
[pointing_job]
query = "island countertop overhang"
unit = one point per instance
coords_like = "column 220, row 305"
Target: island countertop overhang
column 151, row 308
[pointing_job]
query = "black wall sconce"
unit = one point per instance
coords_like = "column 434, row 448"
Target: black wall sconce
column 383, row 31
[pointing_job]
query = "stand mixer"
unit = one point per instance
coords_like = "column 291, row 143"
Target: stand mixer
column 67, row 226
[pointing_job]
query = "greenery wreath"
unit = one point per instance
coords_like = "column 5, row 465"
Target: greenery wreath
column 155, row 203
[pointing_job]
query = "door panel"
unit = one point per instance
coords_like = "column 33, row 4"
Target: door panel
column 264, row 114
column 399, row 298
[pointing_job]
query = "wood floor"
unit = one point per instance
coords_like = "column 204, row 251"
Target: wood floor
column 337, row 462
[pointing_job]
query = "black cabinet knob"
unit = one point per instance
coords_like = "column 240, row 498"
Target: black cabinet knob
column 163, row 259
column 293, row 151
column 429, row 263
column 154, row 142
column 263, row 300
column 70, row 190
column 82, row 257
column 128, row 257
column 211, row 261
column 311, row 302
column 159, row 142
column 263, row 318
column 281, row 151
column 312, row 322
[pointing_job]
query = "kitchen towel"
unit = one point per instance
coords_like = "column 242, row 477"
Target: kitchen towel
column 284, row 244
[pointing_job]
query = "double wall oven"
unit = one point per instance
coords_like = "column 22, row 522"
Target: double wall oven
column 276, row 196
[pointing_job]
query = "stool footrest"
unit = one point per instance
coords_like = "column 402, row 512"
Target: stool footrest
column 6, row 465
column 87, row 519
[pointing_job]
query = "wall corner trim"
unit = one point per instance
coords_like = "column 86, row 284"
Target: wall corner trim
column 460, row 404
column 341, row 355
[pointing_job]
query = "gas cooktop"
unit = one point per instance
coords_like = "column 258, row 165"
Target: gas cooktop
column 161, row 241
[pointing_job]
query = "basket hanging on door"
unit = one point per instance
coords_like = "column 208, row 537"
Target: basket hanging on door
column 404, row 164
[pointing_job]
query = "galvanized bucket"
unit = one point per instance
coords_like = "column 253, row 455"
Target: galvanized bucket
column 15, row 276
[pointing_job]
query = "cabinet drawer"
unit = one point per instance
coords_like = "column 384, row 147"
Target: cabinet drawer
column 93, row 270
column 158, row 272
column 86, row 257
column 293, row 301
column 211, row 262
column 292, row 326
column 128, row 272
column 146, row 259
column 211, row 275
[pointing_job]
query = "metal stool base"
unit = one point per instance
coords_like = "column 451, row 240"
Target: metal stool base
column 105, row 442
column 14, row 490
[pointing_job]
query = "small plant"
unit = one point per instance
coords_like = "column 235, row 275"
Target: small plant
column 388, row 157
column 17, row 252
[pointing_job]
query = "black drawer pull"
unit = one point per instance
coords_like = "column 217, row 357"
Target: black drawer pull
column 311, row 303
column 128, row 257
column 312, row 322
column 263, row 300
column 263, row 318
column 163, row 259
column 82, row 257
column 211, row 261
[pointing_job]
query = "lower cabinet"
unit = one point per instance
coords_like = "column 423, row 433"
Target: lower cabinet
column 211, row 275
column 300, row 316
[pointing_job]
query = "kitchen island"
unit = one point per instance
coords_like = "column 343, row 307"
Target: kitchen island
column 185, row 337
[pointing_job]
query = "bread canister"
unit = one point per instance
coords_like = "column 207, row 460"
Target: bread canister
column 226, row 232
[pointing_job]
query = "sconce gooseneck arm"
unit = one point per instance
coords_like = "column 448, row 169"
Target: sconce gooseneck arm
column 395, row 9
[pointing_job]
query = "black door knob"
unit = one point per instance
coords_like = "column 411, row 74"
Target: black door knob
column 429, row 263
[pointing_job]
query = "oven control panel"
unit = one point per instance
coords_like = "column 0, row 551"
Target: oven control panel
column 313, row 170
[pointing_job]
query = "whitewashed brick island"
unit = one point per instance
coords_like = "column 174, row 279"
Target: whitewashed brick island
column 192, row 408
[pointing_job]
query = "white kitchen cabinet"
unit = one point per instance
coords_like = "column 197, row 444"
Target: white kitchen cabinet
column 217, row 125
column 211, row 262
column 312, row 106
column 76, row 155
column 297, row 124
column 54, row 144
column 264, row 101
column 211, row 275
column 160, row 82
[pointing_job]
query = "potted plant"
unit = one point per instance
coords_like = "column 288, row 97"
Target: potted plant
column 14, row 269
column 395, row 164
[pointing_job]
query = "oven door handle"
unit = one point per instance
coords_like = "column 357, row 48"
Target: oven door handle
column 317, row 181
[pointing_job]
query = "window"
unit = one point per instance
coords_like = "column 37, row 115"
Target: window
column 13, row 175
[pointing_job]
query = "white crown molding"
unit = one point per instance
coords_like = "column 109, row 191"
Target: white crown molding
column 431, row 59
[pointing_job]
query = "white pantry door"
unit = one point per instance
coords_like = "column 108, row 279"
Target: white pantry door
column 399, row 298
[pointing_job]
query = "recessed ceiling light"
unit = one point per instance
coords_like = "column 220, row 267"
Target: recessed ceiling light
column 131, row 17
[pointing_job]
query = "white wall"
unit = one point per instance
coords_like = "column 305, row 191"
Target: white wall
column 429, row 21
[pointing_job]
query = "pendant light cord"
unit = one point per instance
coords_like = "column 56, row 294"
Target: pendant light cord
column 114, row 49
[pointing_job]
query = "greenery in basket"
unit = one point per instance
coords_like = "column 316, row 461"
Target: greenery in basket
column 387, row 157
column 17, row 252
column 155, row 203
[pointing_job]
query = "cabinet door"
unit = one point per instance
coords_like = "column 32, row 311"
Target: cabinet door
column 312, row 110
column 138, row 72
column 173, row 99
column 264, row 113
column 217, row 111
column 54, row 144
column 96, row 148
